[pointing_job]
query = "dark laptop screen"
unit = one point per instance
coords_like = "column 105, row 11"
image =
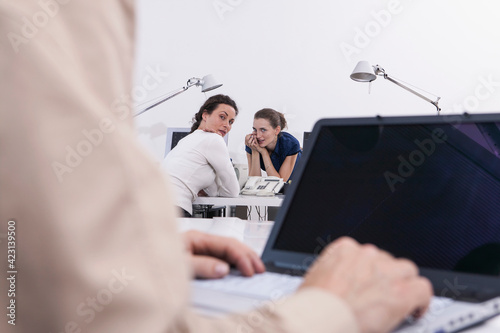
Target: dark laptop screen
column 428, row 192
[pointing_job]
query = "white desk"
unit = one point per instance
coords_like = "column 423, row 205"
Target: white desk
column 242, row 200
column 255, row 234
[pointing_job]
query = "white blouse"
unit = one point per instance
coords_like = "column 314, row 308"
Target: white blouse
column 200, row 161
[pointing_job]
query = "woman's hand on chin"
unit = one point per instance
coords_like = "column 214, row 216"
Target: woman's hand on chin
column 251, row 141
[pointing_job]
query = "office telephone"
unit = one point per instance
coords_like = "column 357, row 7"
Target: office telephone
column 262, row 186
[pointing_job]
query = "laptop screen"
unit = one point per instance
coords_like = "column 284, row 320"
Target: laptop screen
column 423, row 188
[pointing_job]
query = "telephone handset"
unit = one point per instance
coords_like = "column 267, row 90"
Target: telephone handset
column 262, row 186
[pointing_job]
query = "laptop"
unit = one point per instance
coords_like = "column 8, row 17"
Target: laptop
column 425, row 188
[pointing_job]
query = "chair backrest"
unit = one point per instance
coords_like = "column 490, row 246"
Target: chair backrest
column 306, row 137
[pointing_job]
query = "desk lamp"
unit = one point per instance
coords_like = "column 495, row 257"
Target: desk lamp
column 207, row 83
column 364, row 72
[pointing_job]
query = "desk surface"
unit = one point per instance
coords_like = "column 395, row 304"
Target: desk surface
column 255, row 234
column 242, row 200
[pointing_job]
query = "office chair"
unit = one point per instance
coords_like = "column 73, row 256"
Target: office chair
column 306, row 137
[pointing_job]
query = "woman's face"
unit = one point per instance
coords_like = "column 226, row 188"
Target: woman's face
column 220, row 120
column 264, row 132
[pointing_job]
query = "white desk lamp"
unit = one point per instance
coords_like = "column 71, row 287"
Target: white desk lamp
column 207, row 83
column 364, row 72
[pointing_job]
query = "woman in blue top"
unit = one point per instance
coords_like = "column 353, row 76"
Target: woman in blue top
column 270, row 149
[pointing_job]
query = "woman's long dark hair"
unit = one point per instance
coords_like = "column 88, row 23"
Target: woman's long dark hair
column 209, row 106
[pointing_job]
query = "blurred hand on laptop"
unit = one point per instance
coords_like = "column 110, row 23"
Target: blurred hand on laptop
column 380, row 289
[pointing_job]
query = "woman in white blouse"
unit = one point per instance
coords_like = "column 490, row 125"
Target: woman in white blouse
column 200, row 163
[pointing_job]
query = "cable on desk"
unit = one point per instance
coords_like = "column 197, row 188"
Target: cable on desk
column 261, row 217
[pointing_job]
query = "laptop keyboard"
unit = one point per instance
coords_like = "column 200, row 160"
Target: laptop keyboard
column 267, row 285
column 446, row 316
column 439, row 304
column 236, row 293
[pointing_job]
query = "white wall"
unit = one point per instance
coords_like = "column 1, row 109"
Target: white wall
column 288, row 55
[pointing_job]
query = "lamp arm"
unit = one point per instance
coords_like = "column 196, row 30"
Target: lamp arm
column 173, row 94
column 435, row 103
column 191, row 82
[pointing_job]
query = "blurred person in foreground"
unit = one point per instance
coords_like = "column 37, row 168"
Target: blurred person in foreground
column 97, row 248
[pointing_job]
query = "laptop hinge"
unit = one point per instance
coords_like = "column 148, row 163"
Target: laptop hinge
column 286, row 268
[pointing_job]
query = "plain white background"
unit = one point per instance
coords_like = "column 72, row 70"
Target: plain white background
column 296, row 56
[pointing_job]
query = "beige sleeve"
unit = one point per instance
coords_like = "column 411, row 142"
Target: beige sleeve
column 310, row 310
column 97, row 248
